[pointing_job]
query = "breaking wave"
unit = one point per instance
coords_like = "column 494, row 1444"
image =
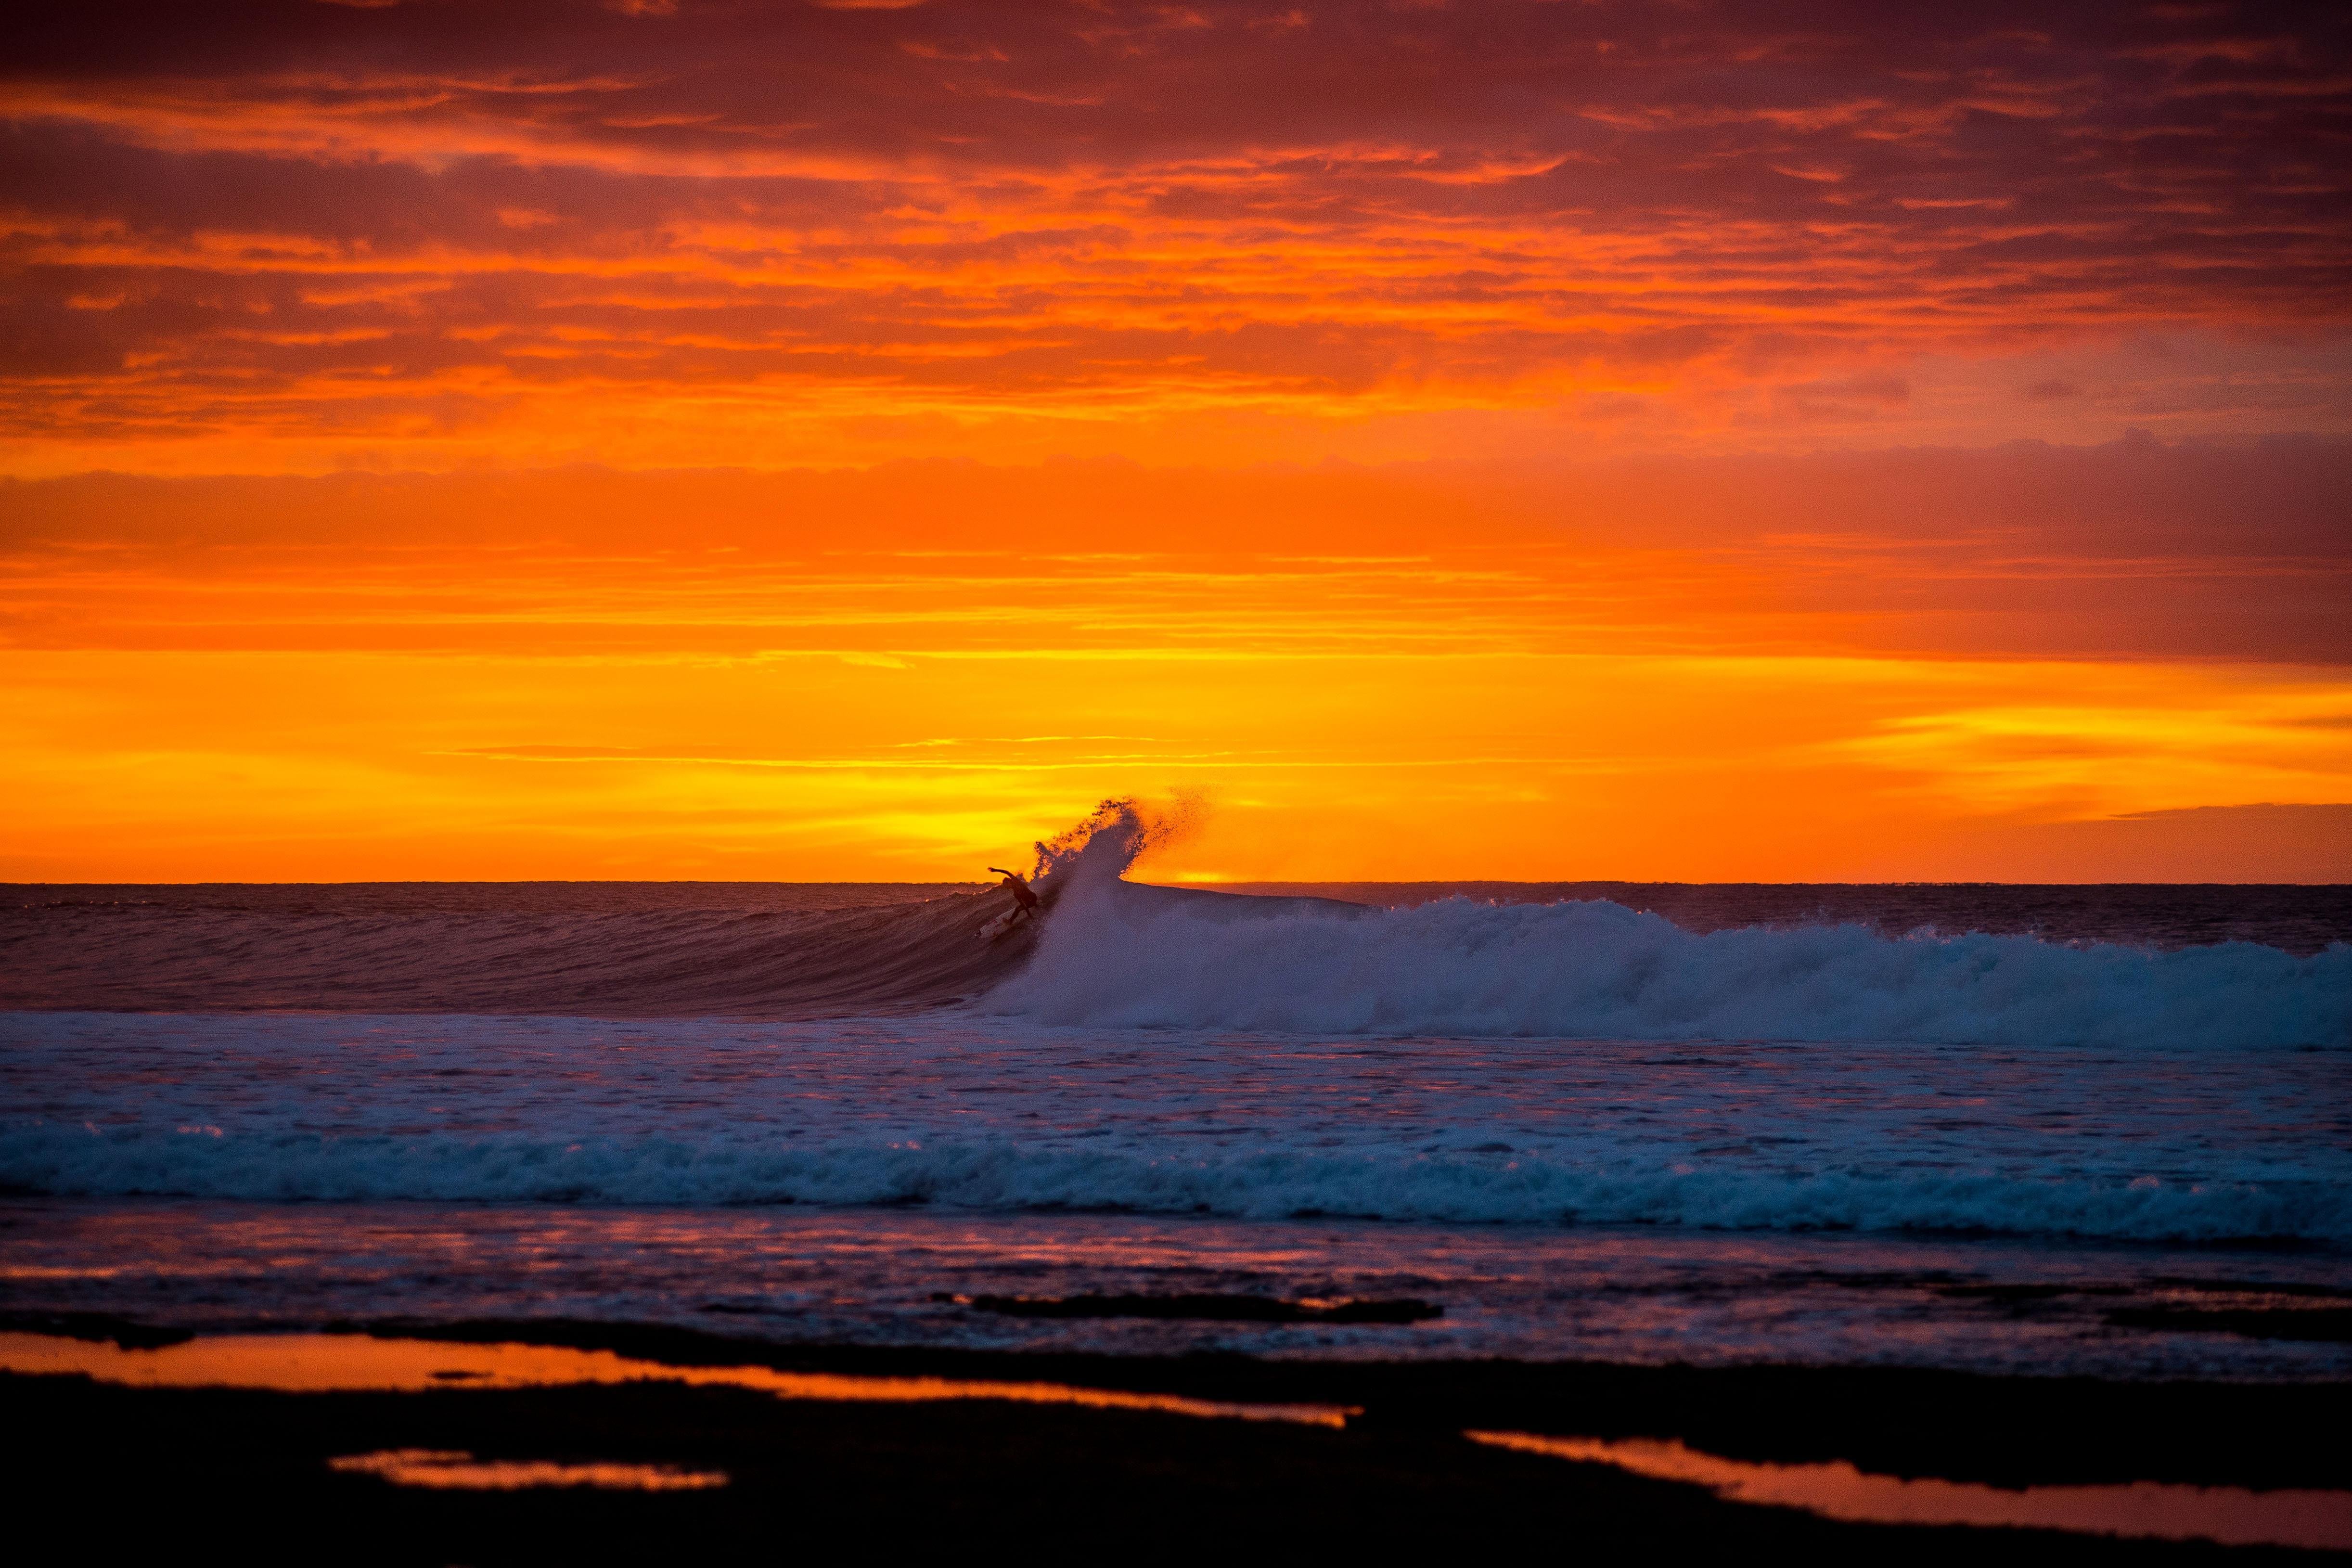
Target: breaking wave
column 1117, row 956
column 1112, row 954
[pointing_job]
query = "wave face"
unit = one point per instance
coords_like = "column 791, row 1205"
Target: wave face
column 1117, row 958
column 609, row 950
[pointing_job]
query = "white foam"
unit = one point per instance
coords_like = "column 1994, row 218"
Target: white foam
column 1598, row 970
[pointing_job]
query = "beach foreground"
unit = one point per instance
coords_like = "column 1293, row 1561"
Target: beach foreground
column 634, row 1468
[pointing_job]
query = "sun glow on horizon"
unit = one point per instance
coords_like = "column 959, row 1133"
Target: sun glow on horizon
column 792, row 706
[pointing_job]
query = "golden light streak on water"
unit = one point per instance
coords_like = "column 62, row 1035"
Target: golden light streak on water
column 2233, row 1516
column 345, row 1363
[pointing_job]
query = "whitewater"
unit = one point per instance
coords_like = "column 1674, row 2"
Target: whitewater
column 2081, row 1142
column 1599, row 971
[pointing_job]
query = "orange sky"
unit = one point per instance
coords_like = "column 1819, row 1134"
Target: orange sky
column 1501, row 440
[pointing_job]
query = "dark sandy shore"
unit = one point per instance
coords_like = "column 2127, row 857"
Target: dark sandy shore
column 120, row 1472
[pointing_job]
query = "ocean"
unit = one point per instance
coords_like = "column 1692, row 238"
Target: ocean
column 2086, row 1129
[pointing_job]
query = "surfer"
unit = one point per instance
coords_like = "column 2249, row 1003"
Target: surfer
column 1025, row 899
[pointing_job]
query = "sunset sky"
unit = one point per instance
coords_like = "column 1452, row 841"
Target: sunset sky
column 1452, row 438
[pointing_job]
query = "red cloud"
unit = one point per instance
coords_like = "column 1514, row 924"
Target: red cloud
column 268, row 219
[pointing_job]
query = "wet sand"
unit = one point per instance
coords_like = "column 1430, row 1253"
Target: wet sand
column 127, row 1470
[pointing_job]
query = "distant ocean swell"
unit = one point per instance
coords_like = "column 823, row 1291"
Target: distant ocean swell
column 999, row 1175
column 1599, row 971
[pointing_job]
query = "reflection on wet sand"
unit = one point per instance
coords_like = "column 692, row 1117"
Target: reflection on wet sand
column 450, row 1469
column 2229, row 1515
column 322, row 1364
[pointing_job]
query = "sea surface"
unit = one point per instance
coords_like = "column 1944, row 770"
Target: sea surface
column 2043, row 1128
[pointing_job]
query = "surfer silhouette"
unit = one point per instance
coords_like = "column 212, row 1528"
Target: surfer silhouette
column 1025, row 901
